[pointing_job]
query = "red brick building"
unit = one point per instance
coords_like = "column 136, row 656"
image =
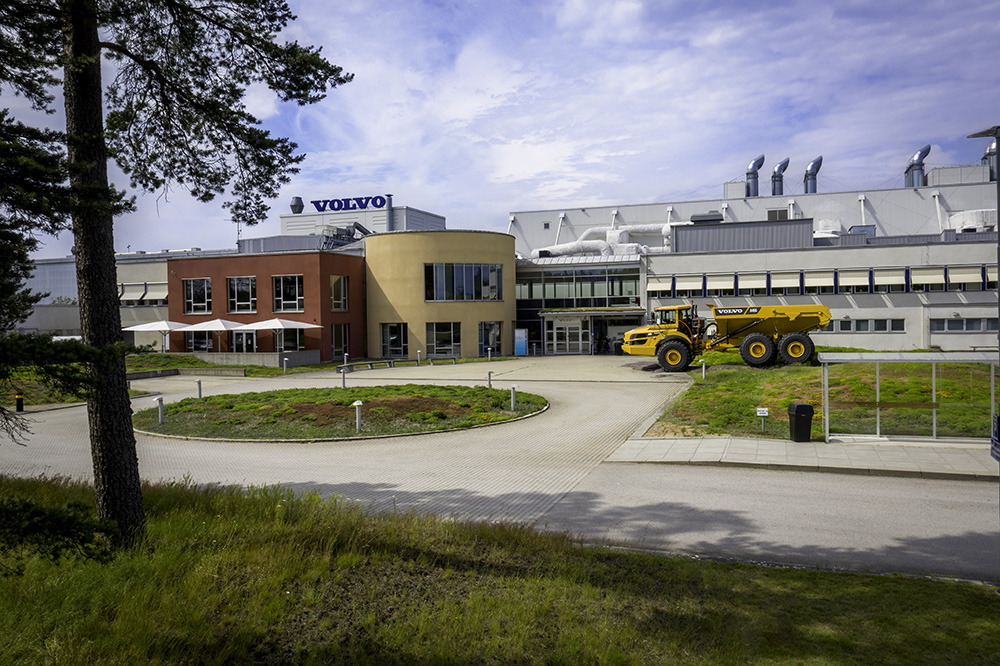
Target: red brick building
column 313, row 287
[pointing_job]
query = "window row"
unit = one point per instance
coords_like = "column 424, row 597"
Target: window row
column 865, row 326
column 578, row 288
column 443, row 339
column 286, row 340
column 463, row 282
column 288, row 292
column 967, row 325
column 844, row 281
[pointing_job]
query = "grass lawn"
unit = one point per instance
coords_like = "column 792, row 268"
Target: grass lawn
column 329, row 413
column 269, row 577
column 725, row 401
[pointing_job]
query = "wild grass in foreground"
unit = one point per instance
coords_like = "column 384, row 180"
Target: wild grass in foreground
column 269, row 577
column 330, row 413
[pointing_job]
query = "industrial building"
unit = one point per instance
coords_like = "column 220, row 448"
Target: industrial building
column 911, row 267
column 905, row 268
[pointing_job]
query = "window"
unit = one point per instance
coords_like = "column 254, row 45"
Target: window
column 463, row 282
column 289, row 339
column 242, row 294
column 775, row 214
column 444, row 339
column 394, row 344
column 288, row 293
column 198, row 296
column 489, row 337
column 341, row 337
column 198, row 341
column 338, row 293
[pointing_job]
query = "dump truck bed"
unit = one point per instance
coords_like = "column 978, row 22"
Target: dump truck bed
column 772, row 320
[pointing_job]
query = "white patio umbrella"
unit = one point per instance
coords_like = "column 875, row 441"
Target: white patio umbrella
column 212, row 325
column 163, row 327
column 276, row 324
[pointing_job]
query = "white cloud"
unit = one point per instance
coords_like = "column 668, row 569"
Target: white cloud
column 476, row 109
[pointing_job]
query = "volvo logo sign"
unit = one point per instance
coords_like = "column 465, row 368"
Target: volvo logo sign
column 355, row 203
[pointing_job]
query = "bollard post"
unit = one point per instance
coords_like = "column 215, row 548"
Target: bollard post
column 198, row 382
column 489, row 353
column 18, row 402
column 159, row 403
column 418, row 357
column 513, row 397
column 489, row 379
column 702, row 361
column 343, row 378
column 357, row 414
column 285, row 364
column 534, row 349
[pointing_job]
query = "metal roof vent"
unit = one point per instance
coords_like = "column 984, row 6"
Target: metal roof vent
column 778, row 178
column 809, row 181
column 990, row 159
column 752, row 189
column 915, row 168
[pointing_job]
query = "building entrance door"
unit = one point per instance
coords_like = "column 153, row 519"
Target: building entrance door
column 567, row 336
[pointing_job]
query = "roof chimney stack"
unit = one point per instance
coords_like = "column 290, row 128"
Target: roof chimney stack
column 915, row 168
column 809, row 181
column 752, row 168
column 778, row 178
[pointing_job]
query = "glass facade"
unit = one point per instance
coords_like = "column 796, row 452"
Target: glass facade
column 463, row 282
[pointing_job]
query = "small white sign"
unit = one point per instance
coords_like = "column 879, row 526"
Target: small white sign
column 762, row 411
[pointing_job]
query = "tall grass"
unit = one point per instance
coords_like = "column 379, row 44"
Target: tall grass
column 265, row 576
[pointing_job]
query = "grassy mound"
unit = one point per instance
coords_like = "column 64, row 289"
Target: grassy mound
column 330, row 413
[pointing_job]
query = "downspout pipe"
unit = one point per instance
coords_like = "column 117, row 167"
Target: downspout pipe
column 752, row 189
column 778, row 178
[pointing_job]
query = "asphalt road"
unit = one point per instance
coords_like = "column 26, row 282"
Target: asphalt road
column 549, row 470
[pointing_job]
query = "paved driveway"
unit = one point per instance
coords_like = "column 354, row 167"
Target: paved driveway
column 550, row 470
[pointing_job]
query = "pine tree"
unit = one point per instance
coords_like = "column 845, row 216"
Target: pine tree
column 175, row 116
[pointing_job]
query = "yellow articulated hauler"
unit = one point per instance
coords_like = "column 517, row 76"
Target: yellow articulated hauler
column 763, row 334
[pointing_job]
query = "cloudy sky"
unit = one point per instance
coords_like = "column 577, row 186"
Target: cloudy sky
column 475, row 109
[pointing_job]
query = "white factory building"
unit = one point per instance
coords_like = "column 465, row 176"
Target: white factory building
column 913, row 267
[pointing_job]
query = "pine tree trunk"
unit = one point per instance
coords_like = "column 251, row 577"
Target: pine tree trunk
column 112, row 441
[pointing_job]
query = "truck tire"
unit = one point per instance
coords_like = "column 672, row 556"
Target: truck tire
column 757, row 350
column 796, row 348
column 673, row 356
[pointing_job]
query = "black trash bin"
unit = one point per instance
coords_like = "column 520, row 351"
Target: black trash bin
column 800, row 421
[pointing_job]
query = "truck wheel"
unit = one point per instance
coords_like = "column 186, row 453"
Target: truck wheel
column 673, row 356
column 796, row 348
column 757, row 350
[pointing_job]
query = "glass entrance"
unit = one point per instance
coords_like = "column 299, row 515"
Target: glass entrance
column 567, row 336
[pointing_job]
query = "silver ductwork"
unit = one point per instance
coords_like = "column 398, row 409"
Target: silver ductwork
column 809, row 180
column 577, row 247
column 915, row 168
column 778, row 178
column 752, row 168
column 990, row 159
